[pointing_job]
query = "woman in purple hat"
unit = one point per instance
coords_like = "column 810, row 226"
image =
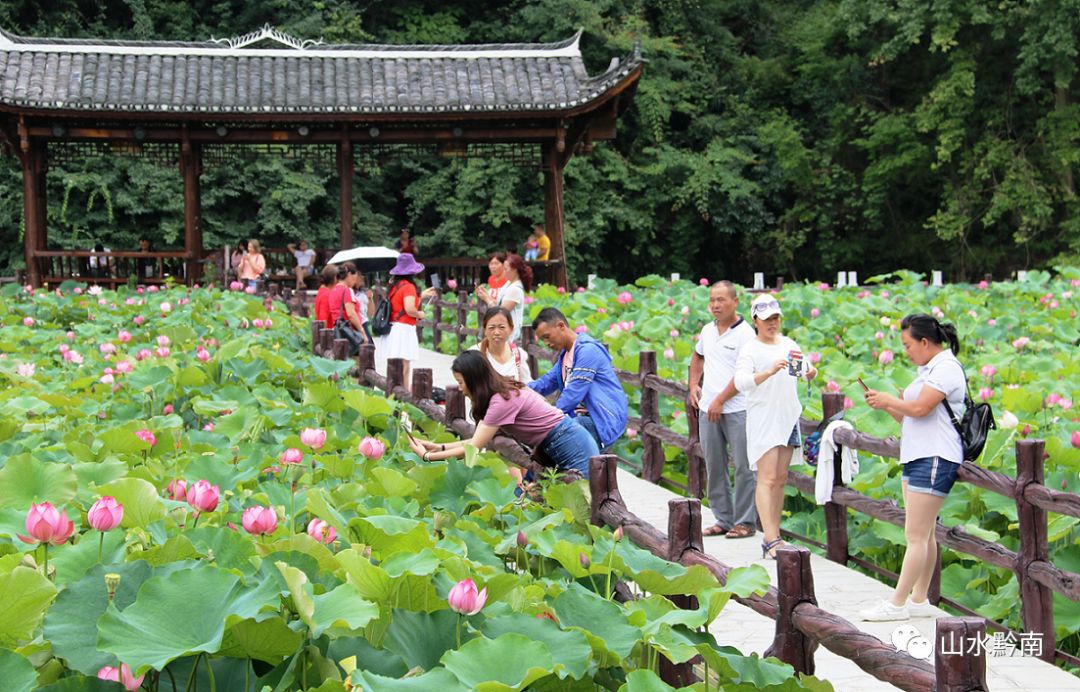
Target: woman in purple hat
column 405, row 310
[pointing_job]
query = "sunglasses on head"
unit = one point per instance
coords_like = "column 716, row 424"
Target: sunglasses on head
column 766, row 305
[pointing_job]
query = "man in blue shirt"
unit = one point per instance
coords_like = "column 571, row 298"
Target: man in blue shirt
column 587, row 384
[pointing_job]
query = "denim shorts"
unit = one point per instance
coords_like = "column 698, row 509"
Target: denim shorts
column 570, row 446
column 930, row 475
column 795, row 440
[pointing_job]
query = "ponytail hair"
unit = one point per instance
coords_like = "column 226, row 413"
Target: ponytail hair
column 923, row 326
column 523, row 270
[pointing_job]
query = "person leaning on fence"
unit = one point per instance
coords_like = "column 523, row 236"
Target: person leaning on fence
column 506, row 405
column 722, row 414
column 405, row 310
column 584, row 378
column 767, row 371
column 506, row 357
column 100, row 267
column 327, row 280
column 930, row 452
column 305, row 262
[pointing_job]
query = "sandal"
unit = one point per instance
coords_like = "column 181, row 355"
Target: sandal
column 714, row 530
column 768, row 548
column 741, row 531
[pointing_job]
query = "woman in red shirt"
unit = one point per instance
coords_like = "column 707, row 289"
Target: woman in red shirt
column 405, row 310
column 322, row 306
column 490, row 293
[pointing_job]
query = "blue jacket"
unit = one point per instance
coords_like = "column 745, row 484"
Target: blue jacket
column 591, row 383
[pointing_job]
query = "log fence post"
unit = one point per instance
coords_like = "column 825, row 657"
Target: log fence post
column 696, row 477
column 462, row 318
column 316, row 330
column 436, row 317
column 528, row 340
column 836, row 528
column 455, row 403
column 422, row 383
column 603, row 484
column 652, row 460
column 326, row 343
column 1036, row 600
column 395, row 374
column 340, row 349
column 365, row 361
column 959, row 666
column 794, row 585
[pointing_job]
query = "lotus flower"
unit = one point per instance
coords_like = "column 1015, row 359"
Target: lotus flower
column 143, row 354
column 259, row 520
column 886, row 357
column 560, row 290
column 124, row 367
column 313, row 437
column 203, row 497
column 814, row 312
column 250, row 290
column 814, row 357
column 522, row 539
column 988, row 371
column 138, row 320
column 167, row 409
column 177, row 489
column 46, row 524
column 625, row 297
column 146, row 436
column 674, row 333
column 584, row 560
column 1053, row 398
column 823, row 286
column 107, row 378
column 73, row 357
column 464, row 599
column 236, row 286
column 28, row 321
column 703, row 281
column 292, row 455
column 983, row 285
column 202, row 354
column 321, row 531
column 124, row 336
column 848, row 403
column 631, row 433
column 991, row 322
column 1008, row 421
column 26, row 369
column 209, row 427
column 105, row 514
column 162, row 352
column 257, row 323
column 1021, row 342
column 152, row 289
column 832, row 386
column 372, row 448
column 451, row 284
column 1065, row 404
column 986, row 393
column 669, row 353
column 122, row 675
column 1076, row 438
column 581, row 329
column 107, row 348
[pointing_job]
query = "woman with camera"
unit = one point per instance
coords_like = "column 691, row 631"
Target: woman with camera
column 767, row 371
column 930, row 451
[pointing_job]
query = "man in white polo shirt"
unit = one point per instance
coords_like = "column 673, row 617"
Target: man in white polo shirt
column 722, row 414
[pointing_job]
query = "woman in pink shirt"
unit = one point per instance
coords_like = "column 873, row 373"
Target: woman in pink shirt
column 252, row 264
column 500, row 404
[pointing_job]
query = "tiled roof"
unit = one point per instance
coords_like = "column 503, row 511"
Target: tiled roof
column 228, row 76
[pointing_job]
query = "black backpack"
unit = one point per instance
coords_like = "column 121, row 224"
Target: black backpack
column 974, row 426
column 381, row 322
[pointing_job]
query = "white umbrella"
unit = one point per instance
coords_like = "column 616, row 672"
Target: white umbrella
column 369, row 258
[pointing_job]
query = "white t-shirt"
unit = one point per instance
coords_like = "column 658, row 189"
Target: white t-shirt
column 772, row 407
column 934, row 435
column 517, row 367
column 97, row 261
column 361, row 299
column 720, row 351
column 516, row 292
column 304, row 258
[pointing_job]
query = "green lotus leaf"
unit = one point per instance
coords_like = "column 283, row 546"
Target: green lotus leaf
column 324, row 396
column 341, row 610
column 390, row 534
column 509, row 662
column 391, row 483
column 228, row 548
column 17, row 672
column 645, row 681
column 122, row 439
column 370, row 580
column 603, row 622
column 569, row 650
column 73, row 561
column 420, row 639
column 423, row 563
column 25, row 480
column 268, row 640
column 450, row 492
column 22, row 614
column 142, row 504
column 163, row 624
column 437, row 679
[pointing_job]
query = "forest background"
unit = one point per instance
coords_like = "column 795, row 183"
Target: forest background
column 789, row 137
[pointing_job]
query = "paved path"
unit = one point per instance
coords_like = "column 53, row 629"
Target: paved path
column 839, row 590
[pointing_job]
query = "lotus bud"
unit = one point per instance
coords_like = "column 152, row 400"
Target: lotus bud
column 584, row 560
column 522, row 539
column 618, row 534
column 442, row 520
column 112, row 581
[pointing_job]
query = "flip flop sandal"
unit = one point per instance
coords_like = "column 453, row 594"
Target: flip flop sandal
column 714, row 530
column 741, row 531
column 768, row 548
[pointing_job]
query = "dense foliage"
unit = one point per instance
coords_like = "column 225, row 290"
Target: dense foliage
column 1019, row 348
column 267, row 529
column 786, row 137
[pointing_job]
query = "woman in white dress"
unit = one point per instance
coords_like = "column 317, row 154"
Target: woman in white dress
column 767, row 370
column 503, row 354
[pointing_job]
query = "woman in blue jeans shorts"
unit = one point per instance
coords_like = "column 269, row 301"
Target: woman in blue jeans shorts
column 930, row 451
column 503, row 404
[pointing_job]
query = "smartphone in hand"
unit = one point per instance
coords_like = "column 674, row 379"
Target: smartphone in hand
column 863, row 384
column 406, row 424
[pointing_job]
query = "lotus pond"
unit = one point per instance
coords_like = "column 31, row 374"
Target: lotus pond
column 267, row 531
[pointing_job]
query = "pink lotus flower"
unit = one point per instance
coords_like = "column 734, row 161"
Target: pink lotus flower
column 202, row 354
column 107, row 378
column 703, row 281
column 1021, row 342
column 581, row 329
column 625, row 326
column 372, row 448
column 259, row 520
column 167, row 409
column 886, row 357
column 885, row 321
column 986, row 393
column 1053, row 398
column 152, row 289
column 972, row 314
column 831, row 386
column 313, row 437
column 292, row 455
column 139, row 290
column 631, row 433
column 202, row 496
column 988, row 371
column 162, row 340
column 105, row 514
column 209, row 427
column 28, row 321
column 823, row 286
column 63, row 348
column 162, row 351
column 138, row 320
column 814, row 312
column 992, row 322
column 268, row 322
column 177, row 490
column 669, row 353
column 879, row 335
column 671, row 302
column 625, row 297
column 107, row 349
column 124, row 367
column 451, row 284
column 1065, row 404
column 863, row 294
column 250, row 290
column 122, row 675
column 1076, row 438
column 580, row 289
column 321, row 531
column 143, row 354
column 184, row 301
column 26, row 369
column 674, row 333
column 129, row 301
column 235, row 286
column 257, row 323
column 602, row 310
column 124, row 336
column 884, row 294
column 560, row 290
column 848, row 403
column 983, row 285
column 146, row 436
column 814, row 357
column 73, row 357
column 464, row 599
column 46, row 524
column 684, row 310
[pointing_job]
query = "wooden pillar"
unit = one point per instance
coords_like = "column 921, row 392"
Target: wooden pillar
column 316, row 335
column 395, row 374
column 1036, row 600
column 340, row 349
column 794, row 585
column 528, row 340
column 32, row 157
column 603, row 484
column 422, row 383
column 455, row 404
column 835, row 514
column 553, row 210
column 365, row 360
column 652, row 459
column 191, row 169
column 436, row 318
column 696, row 476
column 462, row 318
column 960, row 666
column 346, row 169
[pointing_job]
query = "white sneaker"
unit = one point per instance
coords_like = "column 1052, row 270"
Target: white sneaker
column 921, row 610
column 884, row 612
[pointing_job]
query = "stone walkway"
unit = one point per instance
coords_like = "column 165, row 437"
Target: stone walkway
column 839, row 590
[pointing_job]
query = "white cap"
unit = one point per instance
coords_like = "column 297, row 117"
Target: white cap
column 765, row 306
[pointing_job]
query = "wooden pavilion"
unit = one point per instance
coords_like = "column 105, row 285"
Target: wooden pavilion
column 187, row 104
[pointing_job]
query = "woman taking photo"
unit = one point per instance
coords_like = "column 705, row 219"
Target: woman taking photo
column 930, row 452
column 519, row 279
column 404, row 299
column 504, row 355
column 502, row 404
column 767, row 371
column 489, row 293
column 252, row 264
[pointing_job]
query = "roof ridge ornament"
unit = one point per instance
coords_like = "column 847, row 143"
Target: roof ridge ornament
column 266, row 32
